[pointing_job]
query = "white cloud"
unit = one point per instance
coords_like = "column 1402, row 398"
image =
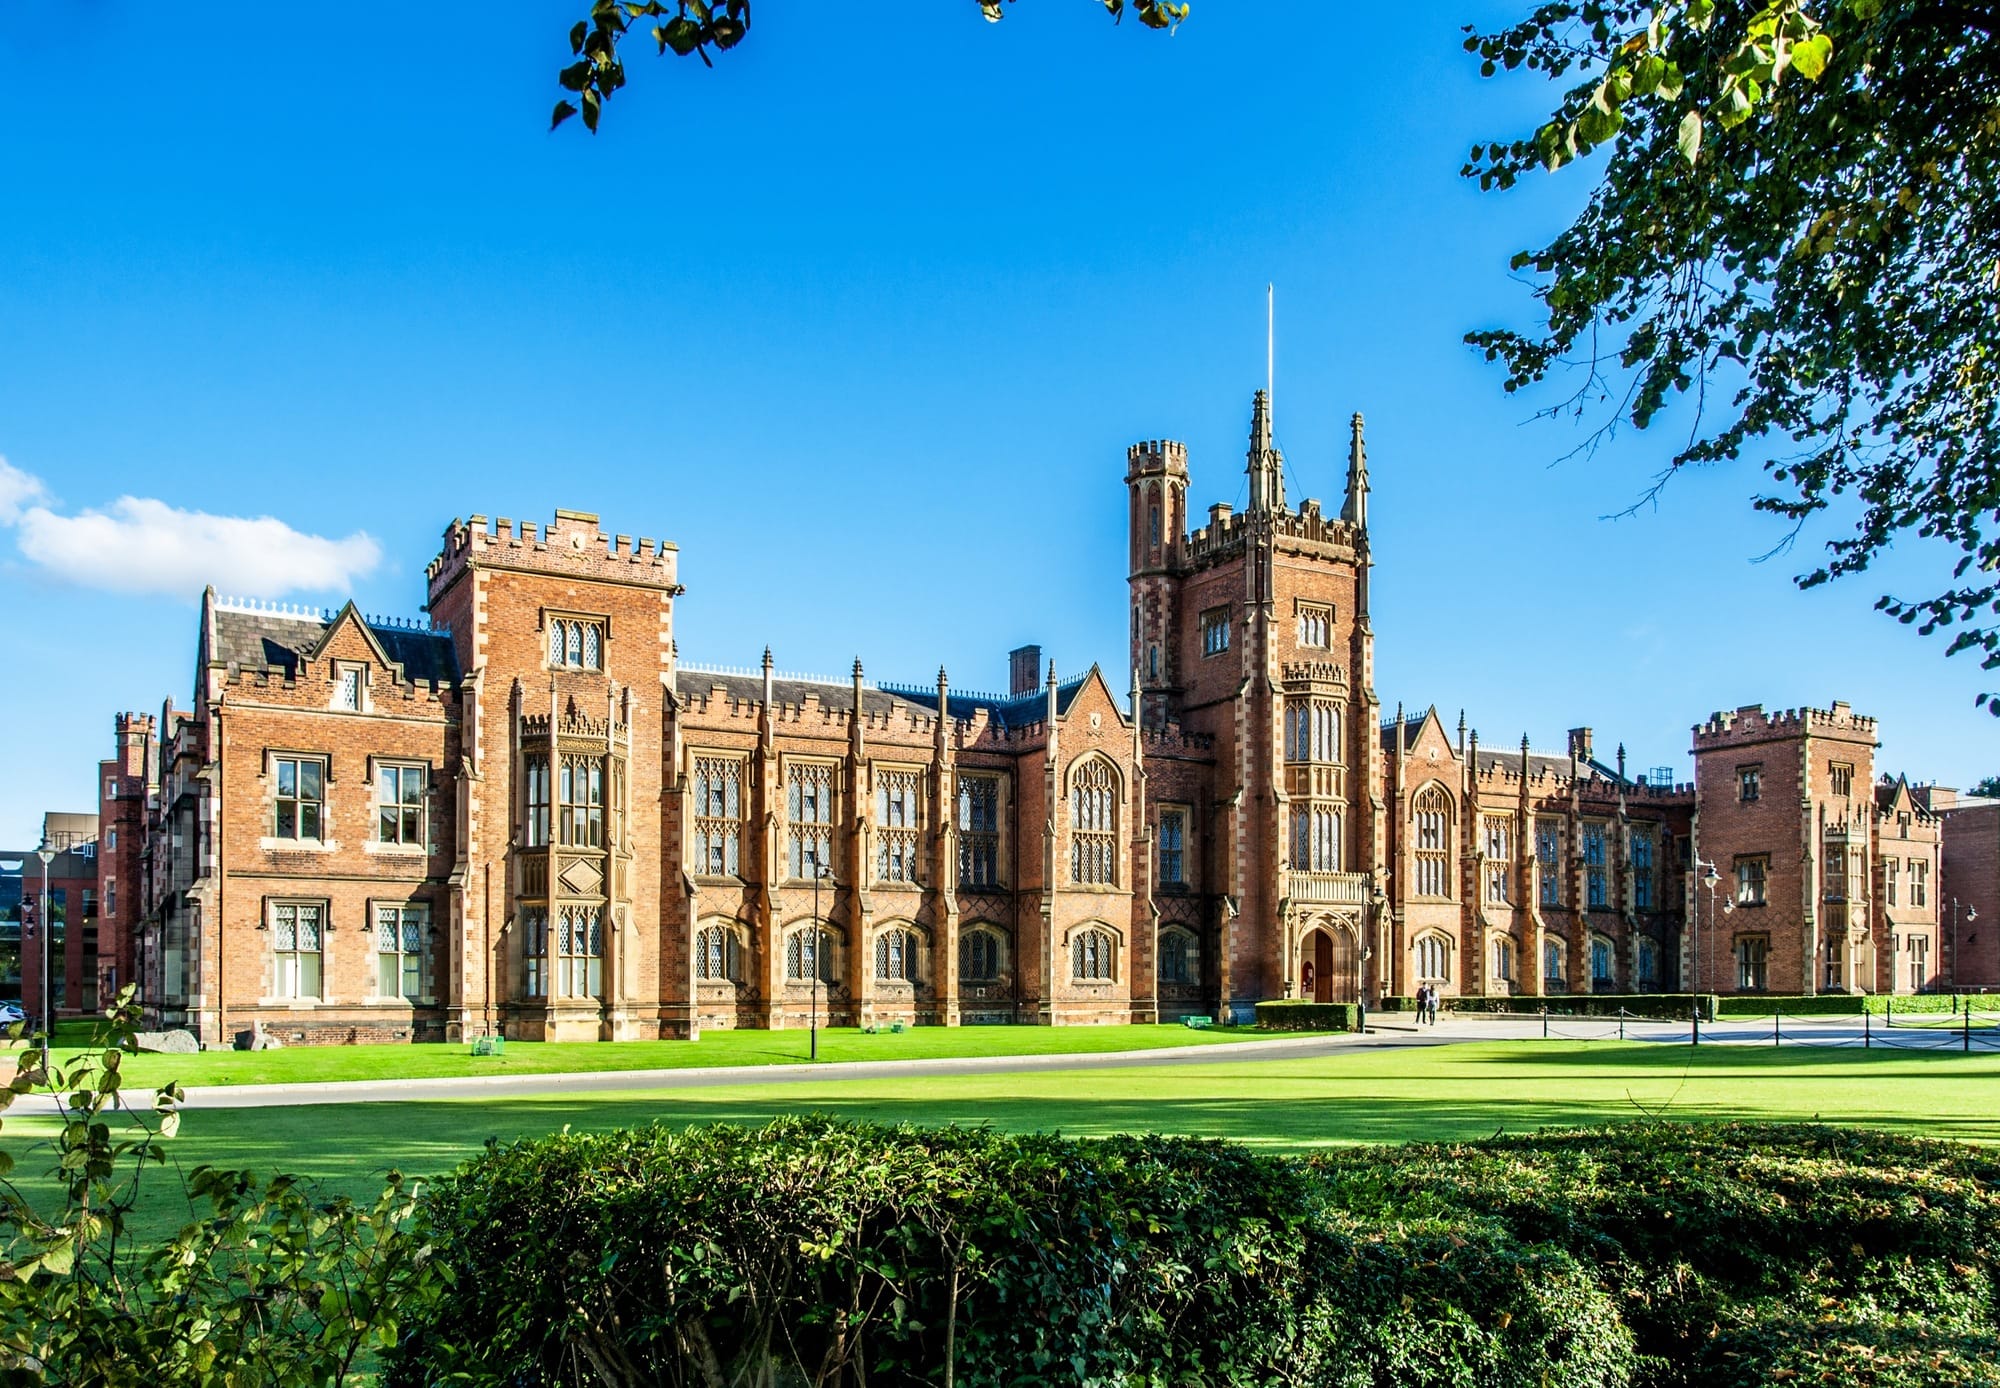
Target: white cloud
column 17, row 489
column 141, row 545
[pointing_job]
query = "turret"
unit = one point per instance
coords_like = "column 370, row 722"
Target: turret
column 1355, row 511
column 1266, row 465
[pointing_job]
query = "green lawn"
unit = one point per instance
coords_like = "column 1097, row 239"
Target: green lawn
column 404, row 1061
column 1388, row 1095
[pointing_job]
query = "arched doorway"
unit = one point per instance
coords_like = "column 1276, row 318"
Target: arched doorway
column 1329, row 965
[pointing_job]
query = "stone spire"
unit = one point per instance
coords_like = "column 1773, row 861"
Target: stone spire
column 1266, row 467
column 1355, row 512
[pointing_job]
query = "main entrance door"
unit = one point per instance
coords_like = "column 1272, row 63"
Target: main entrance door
column 1329, row 967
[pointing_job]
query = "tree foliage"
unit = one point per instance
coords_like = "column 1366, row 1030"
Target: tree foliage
column 697, row 28
column 273, row 1286
column 1797, row 231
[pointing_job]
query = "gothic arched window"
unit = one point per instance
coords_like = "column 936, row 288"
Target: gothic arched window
column 896, row 956
column 809, row 950
column 1093, row 955
column 718, row 955
column 1180, row 957
column 1433, row 959
column 1431, row 819
column 979, row 956
column 1093, row 821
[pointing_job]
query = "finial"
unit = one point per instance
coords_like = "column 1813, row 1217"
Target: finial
column 857, row 667
column 941, row 679
column 1052, row 674
column 767, row 657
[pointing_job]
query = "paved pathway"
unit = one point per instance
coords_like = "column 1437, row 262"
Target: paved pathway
column 1385, row 1031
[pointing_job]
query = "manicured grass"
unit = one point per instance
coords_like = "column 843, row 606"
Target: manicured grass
column 1385, row 1095
column 313, row 1064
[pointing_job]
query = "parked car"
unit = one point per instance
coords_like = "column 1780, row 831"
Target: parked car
column 10, row 1013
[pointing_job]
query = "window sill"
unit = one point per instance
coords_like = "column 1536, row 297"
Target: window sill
column 278, row 845
column 720, row 879
column 396, row 850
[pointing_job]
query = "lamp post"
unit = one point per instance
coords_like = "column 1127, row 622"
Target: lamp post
column 820, row 874
column 1709, row 878
column 46, row 914
column 1971, row 914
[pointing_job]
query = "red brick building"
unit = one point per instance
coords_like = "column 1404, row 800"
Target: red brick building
column 527, row 815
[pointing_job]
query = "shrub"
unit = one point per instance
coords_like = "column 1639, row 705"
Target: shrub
column 1299, row 1015
column 1693, row 1227
column 813, row 1251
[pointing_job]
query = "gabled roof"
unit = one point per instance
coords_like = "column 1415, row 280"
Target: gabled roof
column 279, row 643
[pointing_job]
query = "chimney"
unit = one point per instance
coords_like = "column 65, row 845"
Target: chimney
column 1579, row 743
column 1024, row 670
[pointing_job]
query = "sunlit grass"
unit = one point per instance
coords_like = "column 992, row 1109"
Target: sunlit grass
column 1375, row 1095
column 315, row 1064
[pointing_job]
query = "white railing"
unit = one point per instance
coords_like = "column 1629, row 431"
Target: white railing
column 1328, row 888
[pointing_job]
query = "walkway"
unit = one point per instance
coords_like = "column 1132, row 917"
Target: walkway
column 1385, row 1031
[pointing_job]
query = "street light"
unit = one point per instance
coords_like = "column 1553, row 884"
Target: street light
column 1971, row 914
column 820, row 874
column 1709, row 879
column 46, row 913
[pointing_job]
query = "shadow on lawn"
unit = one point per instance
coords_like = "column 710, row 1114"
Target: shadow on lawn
column 347, row 1149
column 1739, row 1058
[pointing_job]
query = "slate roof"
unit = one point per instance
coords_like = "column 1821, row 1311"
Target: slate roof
column 833, row 695
column 276, row 643
column 1015, row 711
column 1011, row 711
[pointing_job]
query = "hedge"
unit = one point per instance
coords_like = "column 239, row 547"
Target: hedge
column 1837, row 1004
column 1672, row 1007
column 1298, row 1015
column 1654, row 1254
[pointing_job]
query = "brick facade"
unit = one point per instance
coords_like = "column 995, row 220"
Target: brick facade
column 526, row 816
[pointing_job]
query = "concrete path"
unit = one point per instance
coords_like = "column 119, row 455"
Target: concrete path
column 1389, row 1030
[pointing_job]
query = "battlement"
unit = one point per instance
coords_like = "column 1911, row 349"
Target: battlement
column 1751, row 724
column 134, row 724
column 1313, row 672
column 1156, row 456
column 573, row 546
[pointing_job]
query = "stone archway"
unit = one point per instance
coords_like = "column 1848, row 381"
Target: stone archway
column 1329, row 963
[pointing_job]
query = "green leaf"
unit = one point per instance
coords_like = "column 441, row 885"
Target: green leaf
column 562, row 113
column 1812, row 56
column 1690, row 136
column 682, row 35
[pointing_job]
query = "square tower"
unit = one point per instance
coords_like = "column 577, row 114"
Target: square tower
column 565, row 634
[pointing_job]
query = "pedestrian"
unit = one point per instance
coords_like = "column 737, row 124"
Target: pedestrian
column 1434, row 1004
column 1423, row 1003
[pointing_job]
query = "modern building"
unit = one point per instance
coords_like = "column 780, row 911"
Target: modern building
column 60, row 926
column 1969, row 891
column 528, row 815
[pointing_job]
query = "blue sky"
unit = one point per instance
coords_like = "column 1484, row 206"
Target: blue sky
column 864, row 320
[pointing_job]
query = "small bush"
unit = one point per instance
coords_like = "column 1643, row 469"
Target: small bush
column 1289, row 1015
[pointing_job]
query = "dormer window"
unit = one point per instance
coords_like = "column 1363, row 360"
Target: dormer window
column 350, row 688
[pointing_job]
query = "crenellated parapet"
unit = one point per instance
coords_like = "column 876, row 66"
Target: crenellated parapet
column 1751, row 723
column 571, row 546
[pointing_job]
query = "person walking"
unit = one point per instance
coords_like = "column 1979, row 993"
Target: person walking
column 1431, row 1004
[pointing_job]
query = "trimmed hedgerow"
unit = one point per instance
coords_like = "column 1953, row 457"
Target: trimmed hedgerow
column 813, row 1251
column 1695, row 1229
column 1297, row 1015
column 823, row 1252
column 1671, row 1007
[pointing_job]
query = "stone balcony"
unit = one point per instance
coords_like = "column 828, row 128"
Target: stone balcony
column 1327, row 888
